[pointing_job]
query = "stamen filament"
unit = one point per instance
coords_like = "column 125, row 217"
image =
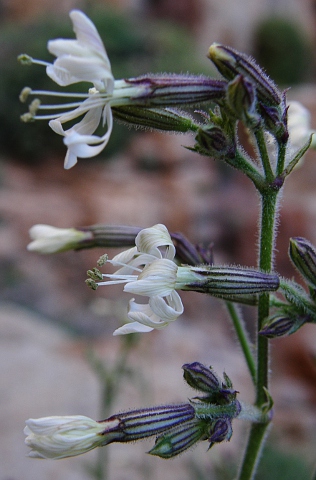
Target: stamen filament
column 116, row 282
column 63, row 105
column 59, row 94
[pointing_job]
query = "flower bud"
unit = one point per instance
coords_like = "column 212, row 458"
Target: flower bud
column 47, row 239
column 230, row 63
column 200, row 377
column 212, row 141
column 180, row 439
column 303, row 255
column 241, row 99
column 221, row 430
column 282, row 325
column 166, row 119
column 274, row 118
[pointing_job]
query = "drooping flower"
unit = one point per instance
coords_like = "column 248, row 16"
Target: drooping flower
column 85, row 60
column 149, row 269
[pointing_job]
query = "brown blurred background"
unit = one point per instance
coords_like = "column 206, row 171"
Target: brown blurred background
column 48, row 317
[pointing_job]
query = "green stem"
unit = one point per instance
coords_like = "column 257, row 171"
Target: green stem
column 258, row 431
column 264, row 155
column 242, row 164
column 281, row 158
column 243, row 339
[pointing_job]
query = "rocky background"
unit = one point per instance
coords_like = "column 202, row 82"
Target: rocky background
column 51, row 324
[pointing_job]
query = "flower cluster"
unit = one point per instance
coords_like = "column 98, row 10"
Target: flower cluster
column 176, row 427
column 150, row 100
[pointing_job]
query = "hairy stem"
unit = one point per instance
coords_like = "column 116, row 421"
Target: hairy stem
column 258, row 431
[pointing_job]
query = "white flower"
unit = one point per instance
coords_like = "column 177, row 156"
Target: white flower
column 81, row 60
column 85, row 60
column 48, row 239
column 148, row 269
column 60, row 437
column 299, row 120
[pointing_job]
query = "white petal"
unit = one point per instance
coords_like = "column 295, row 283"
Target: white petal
column 70, row 160
column 144, row 315
column 150, row 239
column 93, row 104
column 84, row 59
column 87, row 34
column 168, row 309
column 158, row 278
column 139, row 260
column 46, row 425
column 81, row 145
column 133, row 327
column 67, row 70
column 61, row 47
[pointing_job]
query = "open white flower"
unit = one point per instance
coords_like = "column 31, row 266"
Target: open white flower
column 60, row 437
column 81, row 60
column 85, row 60
column 148, row 269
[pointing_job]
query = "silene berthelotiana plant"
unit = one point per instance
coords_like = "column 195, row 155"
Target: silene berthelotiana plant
column 155, row 265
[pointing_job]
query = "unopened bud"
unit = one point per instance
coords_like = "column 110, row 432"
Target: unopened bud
column 241, row 98
column 180, row 439
column 274, row 118
column 303, row 255
column 282, row 325
column 200, row 377
column 165, row 119
column 221, row 430
column 230, row 63
column 212, row 141
column 47, row 239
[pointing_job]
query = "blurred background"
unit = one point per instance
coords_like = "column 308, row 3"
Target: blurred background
column 56, row 344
